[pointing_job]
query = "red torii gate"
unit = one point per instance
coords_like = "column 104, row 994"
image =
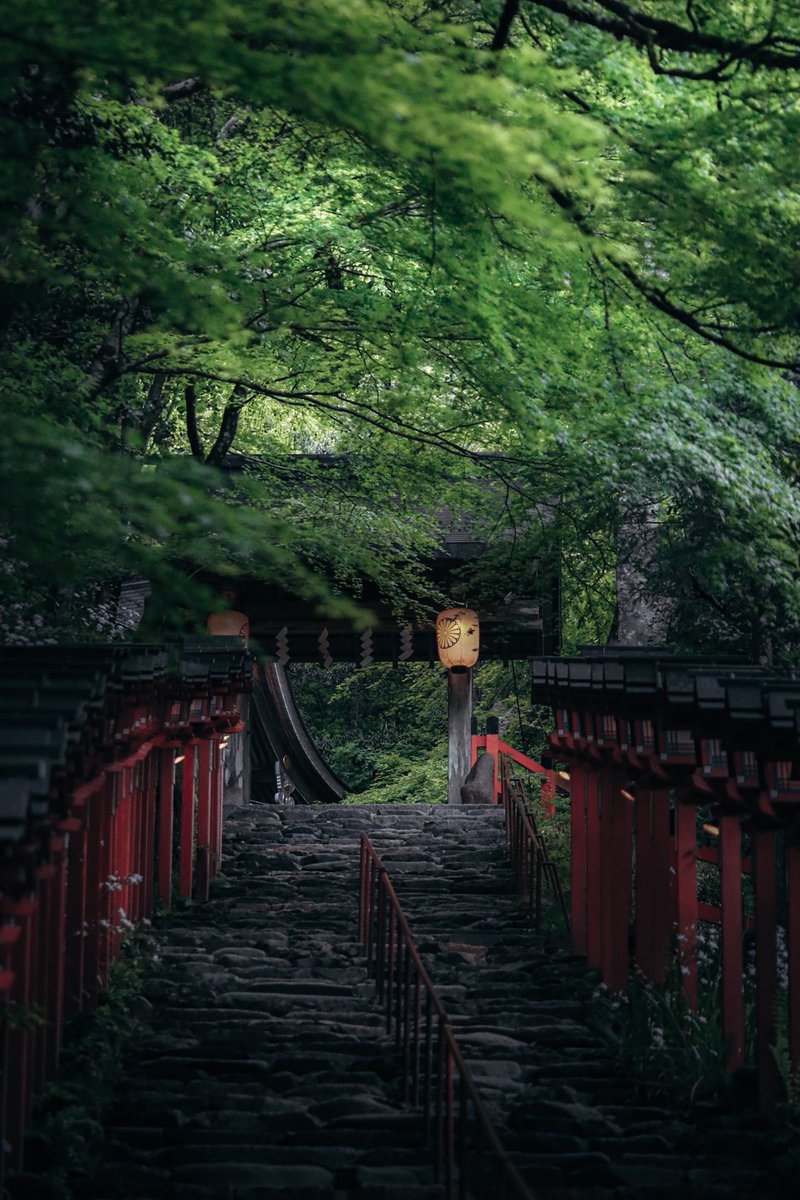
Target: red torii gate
column 649, row 738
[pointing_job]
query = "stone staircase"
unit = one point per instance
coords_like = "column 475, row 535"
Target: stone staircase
column 267, row 1073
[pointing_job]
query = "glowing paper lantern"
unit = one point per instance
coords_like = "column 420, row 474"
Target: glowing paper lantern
column 229, row 624
column 458, row 638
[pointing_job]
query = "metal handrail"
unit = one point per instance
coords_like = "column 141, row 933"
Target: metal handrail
column 530, row 859
column 468, row 1152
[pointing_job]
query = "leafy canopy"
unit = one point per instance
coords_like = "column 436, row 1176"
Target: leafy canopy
column 405, row 235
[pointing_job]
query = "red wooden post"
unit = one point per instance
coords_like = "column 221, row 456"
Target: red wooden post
column 619, row 872
column 75, row 919
column 793, row 948
column 663, row 889
column 133, row 891
column 97, row 834
column 107, row 858
column 186, row 849
column 606, row 789
column 119, row 891
column 9, row 936
column 578, row 857
column 20, row 1042
column 216, row 807
column 594, row 870
column 645, row 881
column 43, row 968
column 149, row 832
column 766, row 966
column 203, row 818
column 493, row 747
column 730, row 864
column 686, row 896
column 57, row 950
column 165, row 817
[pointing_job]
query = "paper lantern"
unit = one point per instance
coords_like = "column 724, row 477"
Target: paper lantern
column 458, row 638
column 229, row 624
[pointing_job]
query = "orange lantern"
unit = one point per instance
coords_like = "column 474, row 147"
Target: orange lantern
column 229, row 624
column 458, row 638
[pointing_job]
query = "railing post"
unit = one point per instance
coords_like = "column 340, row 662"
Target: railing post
column 686, row 895
column 166, row 786
column 578, row 856
column 149, row 793
column 793, row 947
column 618, row 818
column 730, row 866
column 594, row 870
column 186, row 851
column 203, row 856
column 766, row 966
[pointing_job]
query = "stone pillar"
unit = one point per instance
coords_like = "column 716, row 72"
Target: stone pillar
column 459, row 721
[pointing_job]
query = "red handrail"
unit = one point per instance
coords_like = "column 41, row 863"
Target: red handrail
column 468, row 1153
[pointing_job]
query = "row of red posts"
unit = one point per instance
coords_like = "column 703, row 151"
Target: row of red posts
column 114, row 743
column 673, row 762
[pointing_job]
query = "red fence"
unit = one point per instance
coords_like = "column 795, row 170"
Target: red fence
column 664, row 756
column 104, row 748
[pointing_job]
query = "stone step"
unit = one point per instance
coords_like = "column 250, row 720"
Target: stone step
column 269, row 1074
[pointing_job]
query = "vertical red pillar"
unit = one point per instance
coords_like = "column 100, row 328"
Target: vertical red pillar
column 57, row 951
column 19, row 1064
column 594, row 869
column 766, row 966
column 493, row 747
column 216, row 807
column 203, row 818
column 133, row 869
column 119, row 891
column 43, row 968
column 578, row 859
column 149, row 802
column 75, row 930
column 686, row 896
column 619, row 871
column 605, row 786
column 9, row 937
column 730, row 866
column 186, row 848
column 94, row 862
column 662, row 898
column 793, row 948
column 645, row 881
column 165, row 818
column 107, row 893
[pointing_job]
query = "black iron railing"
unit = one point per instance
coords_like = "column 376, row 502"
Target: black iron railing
column 469, row 1158
column 530, row 860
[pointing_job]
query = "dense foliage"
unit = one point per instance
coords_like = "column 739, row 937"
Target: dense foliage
column 407, row 234
column 384, row 731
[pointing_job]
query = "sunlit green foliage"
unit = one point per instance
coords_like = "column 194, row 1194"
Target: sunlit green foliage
column 384, row 730
column 404, row 234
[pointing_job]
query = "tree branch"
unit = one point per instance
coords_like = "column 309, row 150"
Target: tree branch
column 182, row 89
column 503, row 30
column 190, row 399
column 106, row 364
column 625, row 22
column 228, row 428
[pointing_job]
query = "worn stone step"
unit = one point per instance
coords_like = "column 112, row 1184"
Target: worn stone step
column 269, row 1073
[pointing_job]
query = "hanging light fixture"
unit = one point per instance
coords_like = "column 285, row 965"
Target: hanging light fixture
column 458, row 638
column 229, row 624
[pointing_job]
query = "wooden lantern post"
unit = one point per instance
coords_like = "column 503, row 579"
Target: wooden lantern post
column 458, row 643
